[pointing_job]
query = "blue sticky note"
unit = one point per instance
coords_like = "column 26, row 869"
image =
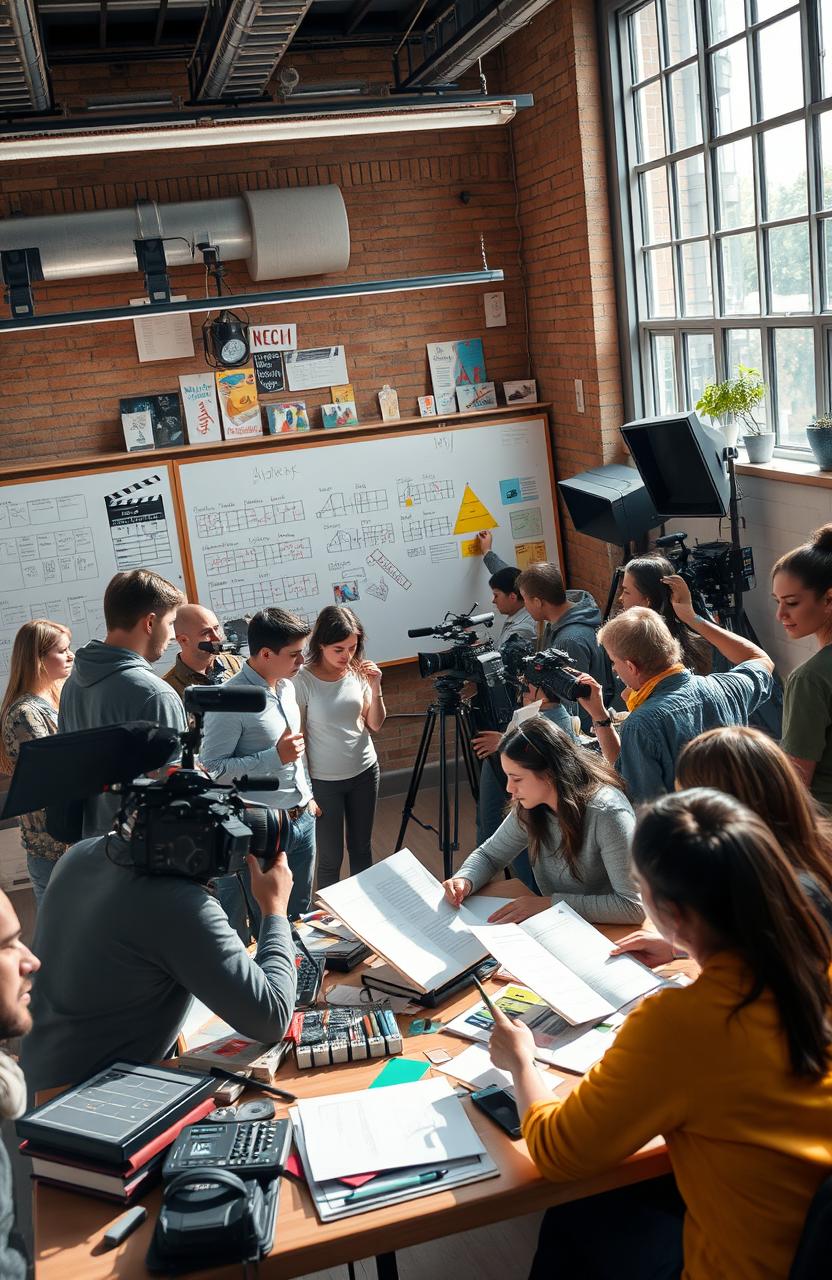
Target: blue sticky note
column 510, row 491
column 400, row 1071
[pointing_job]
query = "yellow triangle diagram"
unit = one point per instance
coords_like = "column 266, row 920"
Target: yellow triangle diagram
column 473, row 514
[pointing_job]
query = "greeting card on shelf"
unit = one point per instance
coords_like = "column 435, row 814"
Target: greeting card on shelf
column 237, row 392
column 427, row 407
column 286, row 417
column 388, row 403
column 524, row 392
column 476, row 395
column 341, row 414
column 202, row 415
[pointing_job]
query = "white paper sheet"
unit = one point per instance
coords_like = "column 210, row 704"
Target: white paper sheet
column 474, row 1066
column 618, row 979
column 400, row 910
column 481, row 906
column 534, row 966
column 377, row 1129
column 315, row 367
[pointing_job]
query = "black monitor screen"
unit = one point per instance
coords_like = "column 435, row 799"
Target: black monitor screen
column 680, row 462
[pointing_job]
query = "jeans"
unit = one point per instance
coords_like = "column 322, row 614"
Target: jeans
column 349, row 803
column 634, row 1233
column 491, row 809
column 234, row 892
column 40, row 869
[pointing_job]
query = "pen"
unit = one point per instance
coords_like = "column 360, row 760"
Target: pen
column 492, row 1008
column 311, row 915
column 394, row 1184
column 222, row 1074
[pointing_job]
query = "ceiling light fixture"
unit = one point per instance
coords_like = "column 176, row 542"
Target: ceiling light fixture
column 278, row 297
column 76, row 138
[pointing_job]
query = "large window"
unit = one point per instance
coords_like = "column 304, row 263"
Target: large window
column 724, row 139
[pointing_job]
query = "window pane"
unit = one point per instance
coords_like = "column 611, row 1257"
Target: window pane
column 701, row 366
column 655, row 205
column 827, row 263
column 825, row 126
column 661, row 294
column 729, row 69
column 650, row 122
column 825, row 43
column 645, row 42
column 664, row 374
column 684, row 104
column 781, row 68
column 794, row 361
column 690, row 193
column 680, row 29
column 788, row 249
column 740, row 283
column 768, row 8
column 696, row 275
column 727, row 17
column 784, row 162
column 735, row 184
column 745, row 347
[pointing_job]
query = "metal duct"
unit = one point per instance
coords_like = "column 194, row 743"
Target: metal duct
column 24, row 83
column 302, row 231
column 240, row 45
column 459, row 52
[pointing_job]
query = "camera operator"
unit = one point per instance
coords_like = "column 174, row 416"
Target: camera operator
column 123, row 952
column 668, row 705
column 193, row 628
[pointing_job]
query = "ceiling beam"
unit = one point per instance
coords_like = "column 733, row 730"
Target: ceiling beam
column 356, row 15
column 160, row 22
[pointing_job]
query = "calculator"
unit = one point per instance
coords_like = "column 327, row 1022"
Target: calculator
column 254, row 1148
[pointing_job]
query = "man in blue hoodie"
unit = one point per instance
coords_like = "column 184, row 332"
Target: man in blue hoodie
column 112, row 681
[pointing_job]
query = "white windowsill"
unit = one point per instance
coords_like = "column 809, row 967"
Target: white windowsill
column 790, row 470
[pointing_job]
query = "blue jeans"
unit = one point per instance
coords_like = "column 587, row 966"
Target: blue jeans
column 235, row 895
column 40, row 869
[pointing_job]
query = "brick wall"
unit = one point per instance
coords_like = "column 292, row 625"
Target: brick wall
column 406, row 217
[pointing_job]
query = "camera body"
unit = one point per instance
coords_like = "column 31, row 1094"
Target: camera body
column 551, row 671
column 709, row 570
column 470, row 658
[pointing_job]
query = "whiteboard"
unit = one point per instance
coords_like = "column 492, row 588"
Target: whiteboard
column 61, row 541
column 384, row 525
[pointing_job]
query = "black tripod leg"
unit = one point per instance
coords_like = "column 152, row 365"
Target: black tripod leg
column 472, row 764
column 444, row 803
column 418, row 769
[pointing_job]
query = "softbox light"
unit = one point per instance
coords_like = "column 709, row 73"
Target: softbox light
column 681, row 463
column 610, row 503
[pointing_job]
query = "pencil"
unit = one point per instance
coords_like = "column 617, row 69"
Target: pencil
column 222, row 1074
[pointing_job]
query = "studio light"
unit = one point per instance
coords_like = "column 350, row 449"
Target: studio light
column 225, row 341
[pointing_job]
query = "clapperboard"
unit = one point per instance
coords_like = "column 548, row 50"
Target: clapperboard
column 138, row 525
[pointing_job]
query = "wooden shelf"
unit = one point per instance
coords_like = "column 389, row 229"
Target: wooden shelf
column 265, row 443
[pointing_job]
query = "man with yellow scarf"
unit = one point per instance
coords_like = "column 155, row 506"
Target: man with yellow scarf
column 668, row 705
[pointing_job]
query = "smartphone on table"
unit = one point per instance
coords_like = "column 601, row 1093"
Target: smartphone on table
column 499, row 1106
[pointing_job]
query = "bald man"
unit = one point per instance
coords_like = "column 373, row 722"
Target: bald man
column 195, row 625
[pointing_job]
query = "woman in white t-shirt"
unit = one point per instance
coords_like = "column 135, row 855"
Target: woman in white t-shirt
column 339, row 694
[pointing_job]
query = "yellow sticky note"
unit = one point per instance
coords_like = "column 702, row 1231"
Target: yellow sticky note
column 528, row 553
column 471, row 548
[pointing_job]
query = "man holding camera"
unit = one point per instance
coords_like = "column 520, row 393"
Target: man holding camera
column 669, row 705
column 123, row 952
column 267, row 743
column 200, row 661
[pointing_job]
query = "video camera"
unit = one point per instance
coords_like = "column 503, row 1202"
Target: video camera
column 551, row 671
column 469, row 658
column 182, row 825
column 708, row 569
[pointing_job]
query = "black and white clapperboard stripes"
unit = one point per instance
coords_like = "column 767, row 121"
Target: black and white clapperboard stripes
column 139, row 526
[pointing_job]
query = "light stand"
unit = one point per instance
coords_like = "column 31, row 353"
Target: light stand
column 448, row 706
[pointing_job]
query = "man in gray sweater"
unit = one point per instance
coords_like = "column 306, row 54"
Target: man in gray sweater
column 113, row 682
column 122, row 954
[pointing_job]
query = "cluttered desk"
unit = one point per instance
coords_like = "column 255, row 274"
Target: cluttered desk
column 393, row 1106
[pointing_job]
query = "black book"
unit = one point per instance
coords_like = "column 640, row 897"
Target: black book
column 116, row 1112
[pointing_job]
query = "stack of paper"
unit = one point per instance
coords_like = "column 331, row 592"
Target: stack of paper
column 404, row 1130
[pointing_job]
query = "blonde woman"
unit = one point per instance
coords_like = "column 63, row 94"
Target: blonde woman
column 41, row 661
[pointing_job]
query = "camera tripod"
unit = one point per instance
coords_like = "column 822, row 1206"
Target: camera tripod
column 448, row 706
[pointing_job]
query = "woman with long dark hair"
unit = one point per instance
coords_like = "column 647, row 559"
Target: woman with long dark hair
column 341, row 703
column 568, row 807
column 40, row 663
column 735, row 1071
column 643, row 583
column 801, row 583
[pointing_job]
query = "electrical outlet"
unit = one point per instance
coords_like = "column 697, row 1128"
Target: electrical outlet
column 579, row 395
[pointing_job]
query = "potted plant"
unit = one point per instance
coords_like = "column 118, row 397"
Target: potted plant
column 732, row 403
column 819, row 435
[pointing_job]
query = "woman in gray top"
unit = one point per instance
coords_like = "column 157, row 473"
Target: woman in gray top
column 568, row 806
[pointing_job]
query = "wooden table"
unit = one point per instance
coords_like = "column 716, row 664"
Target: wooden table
column 69, row 1226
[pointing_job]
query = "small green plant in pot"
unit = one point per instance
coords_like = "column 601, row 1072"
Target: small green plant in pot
column 732, row 404
column 819, row 435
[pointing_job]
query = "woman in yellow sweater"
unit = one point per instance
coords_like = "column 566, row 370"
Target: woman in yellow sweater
column 735, row 1070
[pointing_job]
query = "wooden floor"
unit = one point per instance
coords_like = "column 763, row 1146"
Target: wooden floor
column 500, row 1252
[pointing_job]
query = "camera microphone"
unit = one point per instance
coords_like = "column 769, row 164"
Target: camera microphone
column 220, row 697
column 216, row 646
column 478, row 620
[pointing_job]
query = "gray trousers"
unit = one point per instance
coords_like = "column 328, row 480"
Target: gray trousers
column 350, row 804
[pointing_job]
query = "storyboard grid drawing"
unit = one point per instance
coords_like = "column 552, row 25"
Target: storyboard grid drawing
column 61, row 541
column 384, row 526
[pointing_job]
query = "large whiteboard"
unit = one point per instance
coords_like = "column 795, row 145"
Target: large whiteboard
column 62, row 540
column 371, row 524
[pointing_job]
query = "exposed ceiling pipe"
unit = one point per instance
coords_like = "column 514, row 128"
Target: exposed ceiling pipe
column 240, row 45
column 297, row 231
column 24, row 80
column 474, row 41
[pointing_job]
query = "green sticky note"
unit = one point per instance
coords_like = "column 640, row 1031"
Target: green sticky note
column 400, row 1071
